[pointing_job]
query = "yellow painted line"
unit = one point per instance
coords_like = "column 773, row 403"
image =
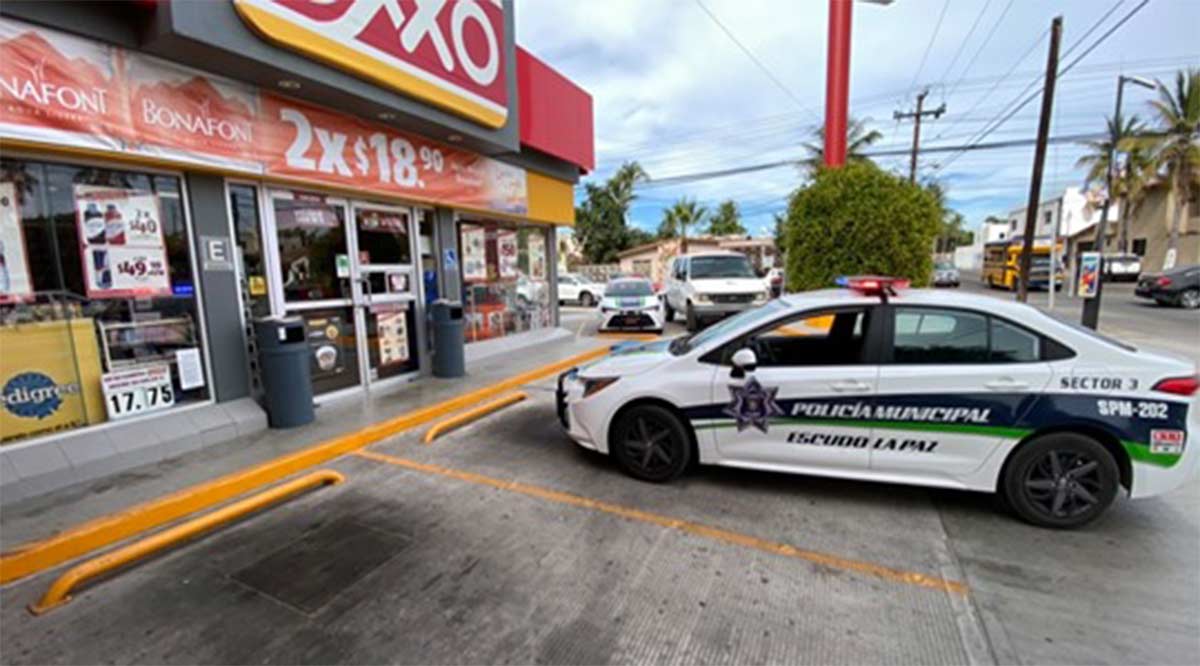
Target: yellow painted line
column 686, row 526
column 459, row 420
column 37, row 556
column 59, row 592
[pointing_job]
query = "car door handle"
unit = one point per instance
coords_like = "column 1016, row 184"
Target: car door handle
column 1006, row 384
column 850, row 386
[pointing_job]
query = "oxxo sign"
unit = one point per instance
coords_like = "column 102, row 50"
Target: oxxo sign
column 449, row 53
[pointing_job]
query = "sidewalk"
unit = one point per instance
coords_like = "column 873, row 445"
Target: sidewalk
column 43, row 516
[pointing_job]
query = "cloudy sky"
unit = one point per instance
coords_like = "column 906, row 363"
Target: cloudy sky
column 674, row 91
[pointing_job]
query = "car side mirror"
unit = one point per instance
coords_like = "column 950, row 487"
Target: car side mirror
column 744, row 360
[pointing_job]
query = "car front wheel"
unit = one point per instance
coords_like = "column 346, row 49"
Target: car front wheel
column 1061, row 480
column 668, row 312
column 586, row 300
column 650, row 443
column 692, row 324
column 1190, row 299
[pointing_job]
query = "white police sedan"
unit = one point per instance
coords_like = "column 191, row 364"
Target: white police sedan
column 630, row 304
column 923, row 387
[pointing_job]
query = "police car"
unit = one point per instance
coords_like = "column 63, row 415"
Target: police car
column 631, row 304
column 878, row 382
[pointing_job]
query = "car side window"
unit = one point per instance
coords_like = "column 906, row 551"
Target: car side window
column 566, row 280
column 822, row 338
column 926, row 336
column 1011, row 344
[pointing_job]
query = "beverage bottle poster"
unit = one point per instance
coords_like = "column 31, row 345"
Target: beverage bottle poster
column 121, row 239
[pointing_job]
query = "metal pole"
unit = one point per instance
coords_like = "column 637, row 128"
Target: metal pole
column 837, row 82
column 1091, row 306
column 1039, row 159
column 912, row 162
column 1054, row 252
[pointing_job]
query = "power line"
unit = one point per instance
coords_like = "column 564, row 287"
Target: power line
column 928, row 47
column 983, row 134
column 966, row 38
column 982, row 46
column 753, row 58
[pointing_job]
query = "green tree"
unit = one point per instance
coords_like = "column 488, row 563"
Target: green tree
column 858, row 139
column 1123, row 134
column 1175, row 145
column 859, row 219
column 682, row 214
column 638, row 236
column 600, row 220
column 727, row 220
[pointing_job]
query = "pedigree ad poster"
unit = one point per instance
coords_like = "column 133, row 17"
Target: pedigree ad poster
column 64, row 90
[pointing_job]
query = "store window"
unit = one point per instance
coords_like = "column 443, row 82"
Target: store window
column 98, row 313
column 506, row 287
column 312, row 248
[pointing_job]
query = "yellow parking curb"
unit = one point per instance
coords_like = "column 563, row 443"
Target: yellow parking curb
column 37, row 556
column 459, row 420
column 59, row 592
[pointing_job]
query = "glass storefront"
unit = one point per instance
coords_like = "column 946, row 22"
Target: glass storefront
column 505, row 278
column 98, row 313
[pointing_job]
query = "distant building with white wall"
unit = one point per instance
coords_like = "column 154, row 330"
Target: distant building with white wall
column 970, row 257
column 1074, row 210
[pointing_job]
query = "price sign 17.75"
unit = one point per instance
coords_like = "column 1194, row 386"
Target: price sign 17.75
column 137, row 391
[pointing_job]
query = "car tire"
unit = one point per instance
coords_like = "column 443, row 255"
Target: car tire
column 1190, row 299
column 691, row 319
column 650, row 443
column 668, row 312
column 586, row 299
column 1062, row 480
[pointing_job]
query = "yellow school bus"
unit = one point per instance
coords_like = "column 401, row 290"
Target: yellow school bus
column 1002, row 265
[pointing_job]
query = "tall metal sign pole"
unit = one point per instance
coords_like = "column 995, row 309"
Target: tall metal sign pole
column 837, row 82
column 1039, row 160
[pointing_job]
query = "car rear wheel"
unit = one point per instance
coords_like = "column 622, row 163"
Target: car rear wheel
column 692, row 325
column 668, row 312
column 650, row 443
column 1190, row 299
column 586, row 300
column 1061, row 480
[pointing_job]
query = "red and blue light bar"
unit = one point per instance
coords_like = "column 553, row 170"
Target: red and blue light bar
column 872, row 285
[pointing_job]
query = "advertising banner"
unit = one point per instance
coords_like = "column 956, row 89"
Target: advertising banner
column 15, row 284
column 537, row 257
column 60, row 88
column 121, row 238
column 393, row 336
column 64, row 90
column 49, row 378
column 506, row 249
column 1089, row 274
column 474, row 252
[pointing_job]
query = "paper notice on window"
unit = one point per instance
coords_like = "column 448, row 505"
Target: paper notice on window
column 191, row 371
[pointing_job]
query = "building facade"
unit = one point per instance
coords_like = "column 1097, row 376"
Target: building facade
column 172, row 171
column 1150, row 230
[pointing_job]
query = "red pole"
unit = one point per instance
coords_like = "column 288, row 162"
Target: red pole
column 837, row 82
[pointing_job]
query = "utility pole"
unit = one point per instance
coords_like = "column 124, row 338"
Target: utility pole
column 916, row 116
column 1039, row 161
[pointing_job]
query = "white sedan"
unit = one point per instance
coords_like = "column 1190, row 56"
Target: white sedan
column 881, row 383
column 630, row 304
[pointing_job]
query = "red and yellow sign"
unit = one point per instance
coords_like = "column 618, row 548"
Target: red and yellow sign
column 450, row 54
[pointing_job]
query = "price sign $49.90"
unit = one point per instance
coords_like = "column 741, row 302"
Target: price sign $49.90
column 137, row 391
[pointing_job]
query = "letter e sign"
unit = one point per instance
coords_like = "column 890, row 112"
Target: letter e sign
column 216, row 253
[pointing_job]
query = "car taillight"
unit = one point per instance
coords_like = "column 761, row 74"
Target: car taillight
column 1164, row 282
column 1179, row 385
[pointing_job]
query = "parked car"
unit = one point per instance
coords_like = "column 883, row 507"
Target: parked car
column 945, row 274
column 710, row 285
column 1178, row 286
column 1121, row 267
column 573, row 288
column 630, row 304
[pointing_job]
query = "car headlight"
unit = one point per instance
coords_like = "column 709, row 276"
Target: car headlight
column 596, row 384
column 761, row 297
column 703, row 298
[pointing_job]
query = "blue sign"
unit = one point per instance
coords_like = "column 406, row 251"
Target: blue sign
column 450, row 259
column 32, row 395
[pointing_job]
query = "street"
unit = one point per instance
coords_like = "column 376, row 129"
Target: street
column 504, row 542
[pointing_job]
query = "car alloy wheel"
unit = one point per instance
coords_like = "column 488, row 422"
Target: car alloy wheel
column 649, row 443
column 1061, row 480
column 1190, row 299
column 586, row 300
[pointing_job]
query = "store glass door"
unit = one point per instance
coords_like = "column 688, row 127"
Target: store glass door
column 314, row 281
column 387, row 291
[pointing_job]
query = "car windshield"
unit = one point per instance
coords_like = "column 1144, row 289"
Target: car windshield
column 746, row 318
column 944, row 266
column 721, row 267
column 629, row 288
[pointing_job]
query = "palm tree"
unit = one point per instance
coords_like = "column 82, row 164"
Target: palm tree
column 1176, row 145
column 858, row 139
column 1129, row 181
column 682, row 214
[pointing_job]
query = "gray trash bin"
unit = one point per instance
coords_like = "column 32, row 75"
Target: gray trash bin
column 284, row 358
column 448, row 341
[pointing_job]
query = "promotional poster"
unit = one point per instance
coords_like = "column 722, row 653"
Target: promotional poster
column 121, row 235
